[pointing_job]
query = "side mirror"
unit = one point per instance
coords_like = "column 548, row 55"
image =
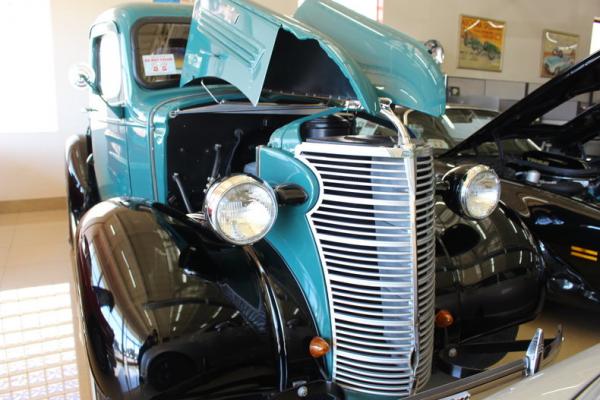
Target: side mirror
column 82, row 76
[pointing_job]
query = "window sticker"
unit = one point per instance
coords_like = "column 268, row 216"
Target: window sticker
column 159, row 65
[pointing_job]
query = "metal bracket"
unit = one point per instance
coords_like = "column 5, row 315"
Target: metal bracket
column 531, row 359
column 535, row 353
column 498, row 374
column 210, row 93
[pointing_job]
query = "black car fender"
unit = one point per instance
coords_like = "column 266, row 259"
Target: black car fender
column 489, row 273
column 567, row 231
column 82, row 192
column 167, row 308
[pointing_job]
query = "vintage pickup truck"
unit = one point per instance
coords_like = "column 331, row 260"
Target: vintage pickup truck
column 236, row 234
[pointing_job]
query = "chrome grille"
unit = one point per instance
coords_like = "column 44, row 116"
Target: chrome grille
column 425, row 265
column 378, row 263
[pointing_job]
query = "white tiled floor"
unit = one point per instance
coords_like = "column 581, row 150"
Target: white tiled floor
column 34, row 252
column 33, row 249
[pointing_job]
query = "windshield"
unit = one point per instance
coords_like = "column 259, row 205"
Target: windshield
column 431, row 130
column 463, row 122
column 159, row 52
column 460, row 123
column 445, row 132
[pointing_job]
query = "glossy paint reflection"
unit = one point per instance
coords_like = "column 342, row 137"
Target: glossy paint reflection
column 489, row 272
column 561, row 223
column 167, row 310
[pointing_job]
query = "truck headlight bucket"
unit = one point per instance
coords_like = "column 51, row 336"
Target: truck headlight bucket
column 241, row 209
column 479, row 192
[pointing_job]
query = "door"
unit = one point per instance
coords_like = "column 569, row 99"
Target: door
column 109, row 140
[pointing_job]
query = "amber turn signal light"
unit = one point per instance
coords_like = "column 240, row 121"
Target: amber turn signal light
column 318, row 347
column 443, row 319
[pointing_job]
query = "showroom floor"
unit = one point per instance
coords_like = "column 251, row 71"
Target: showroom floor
column 35, row 270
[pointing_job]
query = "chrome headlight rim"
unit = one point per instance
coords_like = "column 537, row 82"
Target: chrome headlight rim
column 217, row 192
column 465, row 187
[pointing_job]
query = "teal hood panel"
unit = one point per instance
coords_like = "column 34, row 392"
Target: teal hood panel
column 254, row 49
column 232, row 42
column 398, row 66
column 235, row 40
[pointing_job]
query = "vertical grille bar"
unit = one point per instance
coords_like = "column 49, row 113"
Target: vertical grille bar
column 425, row 231
column 374, row 229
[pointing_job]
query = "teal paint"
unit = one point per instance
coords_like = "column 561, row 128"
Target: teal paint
column 234, row 40
column 356, row 59
column 398, row 66
column 292, row 237
column 232, row 43
column 209, row 54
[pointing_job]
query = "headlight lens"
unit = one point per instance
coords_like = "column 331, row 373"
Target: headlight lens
column 480, row 192
column 241, row 209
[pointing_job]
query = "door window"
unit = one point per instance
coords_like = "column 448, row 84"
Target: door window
column 108, row 69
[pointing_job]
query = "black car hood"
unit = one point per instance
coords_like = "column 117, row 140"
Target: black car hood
column 516, row 122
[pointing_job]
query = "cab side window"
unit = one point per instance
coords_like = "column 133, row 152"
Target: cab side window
column 108, row 66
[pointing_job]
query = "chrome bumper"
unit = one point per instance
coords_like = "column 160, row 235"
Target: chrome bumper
column 538, row 354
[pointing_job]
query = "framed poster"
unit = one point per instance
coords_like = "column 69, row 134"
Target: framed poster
column 559, row 51
column 481, row 43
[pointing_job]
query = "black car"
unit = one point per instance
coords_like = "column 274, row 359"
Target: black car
column 555, row 195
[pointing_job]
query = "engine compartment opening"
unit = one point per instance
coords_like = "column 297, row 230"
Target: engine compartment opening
column 218, row 140
column 206, row 144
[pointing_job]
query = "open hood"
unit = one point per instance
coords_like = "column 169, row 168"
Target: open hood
column 327, row 51
column 518, row 122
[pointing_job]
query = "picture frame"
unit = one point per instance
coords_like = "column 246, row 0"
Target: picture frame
column 481, row 45
column 559, row 52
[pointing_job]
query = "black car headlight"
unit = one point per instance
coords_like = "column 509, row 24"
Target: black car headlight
column 473, row 191
column 479, row 192
column 241, row 209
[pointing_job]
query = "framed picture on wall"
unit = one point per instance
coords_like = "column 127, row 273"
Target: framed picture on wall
column 481, row 43
column 559, row 51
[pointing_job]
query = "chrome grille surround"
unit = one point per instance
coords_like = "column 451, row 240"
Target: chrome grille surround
column 373, row 225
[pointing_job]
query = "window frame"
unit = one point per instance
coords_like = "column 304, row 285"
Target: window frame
column 96, row 34
column 135, row 65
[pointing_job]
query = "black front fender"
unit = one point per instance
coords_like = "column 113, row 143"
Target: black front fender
column 167, row 309
column 489, row 273
column 82, row 192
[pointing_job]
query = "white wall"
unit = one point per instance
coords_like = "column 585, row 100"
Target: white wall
column 525, row 21
column 31, row 164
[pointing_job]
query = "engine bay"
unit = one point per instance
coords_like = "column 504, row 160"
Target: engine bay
column 557, row 173
column 210, row 142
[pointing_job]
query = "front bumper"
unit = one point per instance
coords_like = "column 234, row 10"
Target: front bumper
column 547, row 350
column 317, row 390
column 483, row 380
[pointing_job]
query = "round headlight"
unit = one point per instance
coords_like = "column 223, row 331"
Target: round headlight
column 479, row 192
column 241, row 209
